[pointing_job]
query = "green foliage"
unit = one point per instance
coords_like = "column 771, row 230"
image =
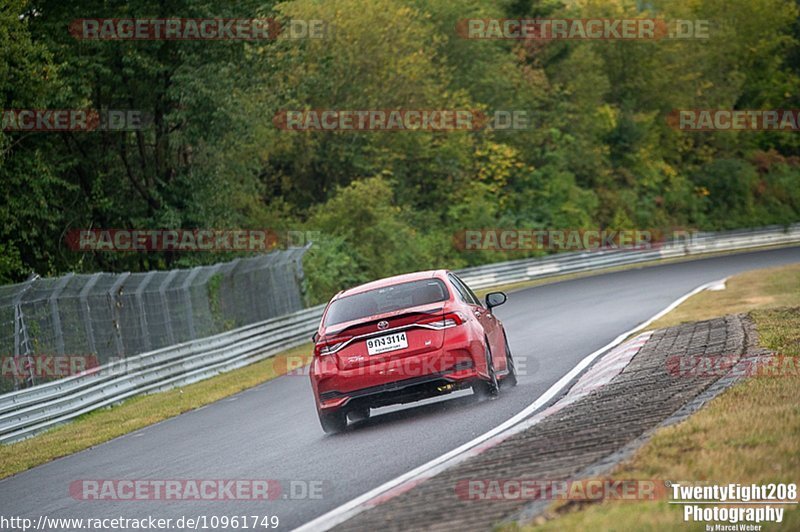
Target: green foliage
column 599, row 152
column 11, row 267
column 328, row 267
column 372, row 238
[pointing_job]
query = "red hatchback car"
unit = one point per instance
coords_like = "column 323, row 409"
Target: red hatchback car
column 406, row 338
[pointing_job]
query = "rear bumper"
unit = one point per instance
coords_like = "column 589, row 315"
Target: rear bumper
column 401, row 381
column 404, row 391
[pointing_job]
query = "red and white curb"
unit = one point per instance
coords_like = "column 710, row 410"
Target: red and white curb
column 616, row 360
column 600, row 374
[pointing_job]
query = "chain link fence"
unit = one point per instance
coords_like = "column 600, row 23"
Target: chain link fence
column 107, row 316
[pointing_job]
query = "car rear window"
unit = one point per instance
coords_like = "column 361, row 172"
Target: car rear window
column 386, row 299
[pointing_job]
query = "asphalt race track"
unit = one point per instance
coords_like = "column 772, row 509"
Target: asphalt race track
column 272, row 431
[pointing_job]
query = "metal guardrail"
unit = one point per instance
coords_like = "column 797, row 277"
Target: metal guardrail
column 31, row 410
column 26, row 412
column 504, row 273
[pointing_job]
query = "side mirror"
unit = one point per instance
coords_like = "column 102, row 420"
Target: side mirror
column 495, row 299
column 315, row 337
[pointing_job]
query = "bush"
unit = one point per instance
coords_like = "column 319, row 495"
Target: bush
column 365, row 236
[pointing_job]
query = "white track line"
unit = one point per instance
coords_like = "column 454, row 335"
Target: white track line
column 408, row 480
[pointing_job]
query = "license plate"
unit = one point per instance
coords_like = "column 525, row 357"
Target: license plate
column 390, row 342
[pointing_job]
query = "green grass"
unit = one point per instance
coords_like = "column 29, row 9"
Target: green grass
column 759, row 289
column 748, row 434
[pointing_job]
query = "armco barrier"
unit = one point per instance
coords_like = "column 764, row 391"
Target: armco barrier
column 34, row 409
column 31, row 410
column 564, row 263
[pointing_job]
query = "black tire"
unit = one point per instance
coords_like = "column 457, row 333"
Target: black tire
column 511, row 377
column 490, row 388
column 333, row 422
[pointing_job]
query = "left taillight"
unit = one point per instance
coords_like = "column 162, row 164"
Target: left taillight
column 331, row 345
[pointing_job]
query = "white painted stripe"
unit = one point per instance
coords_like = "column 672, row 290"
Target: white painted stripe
column 593, row 379
column 718, row 286
column 503, row 431
column 612, row 360
column 616, row 359
column 611, row 364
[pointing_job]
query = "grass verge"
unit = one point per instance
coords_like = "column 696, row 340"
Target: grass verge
column 138, row 412
column 757, row 289
column 748, row 434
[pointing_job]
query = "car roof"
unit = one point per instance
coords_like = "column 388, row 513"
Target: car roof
column 388, row 281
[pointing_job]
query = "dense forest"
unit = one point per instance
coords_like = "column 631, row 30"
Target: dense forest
column 599, row 151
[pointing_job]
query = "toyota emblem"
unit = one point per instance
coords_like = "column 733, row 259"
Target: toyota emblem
column 383, row 325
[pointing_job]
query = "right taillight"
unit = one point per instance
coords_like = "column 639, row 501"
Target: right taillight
column 451, row 319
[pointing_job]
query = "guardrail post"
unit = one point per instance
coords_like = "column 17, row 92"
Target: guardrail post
column 58, row 334
column 162, row 290
column 188, row 299
column 208, row 273
column 20, row 339
column 21, row 331
column 86, row 312
column 115, row 303
column 142, row 311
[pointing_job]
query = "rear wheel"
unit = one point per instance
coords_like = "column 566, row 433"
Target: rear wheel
column 488, row 388
column 511, row 378
column 333, row 422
